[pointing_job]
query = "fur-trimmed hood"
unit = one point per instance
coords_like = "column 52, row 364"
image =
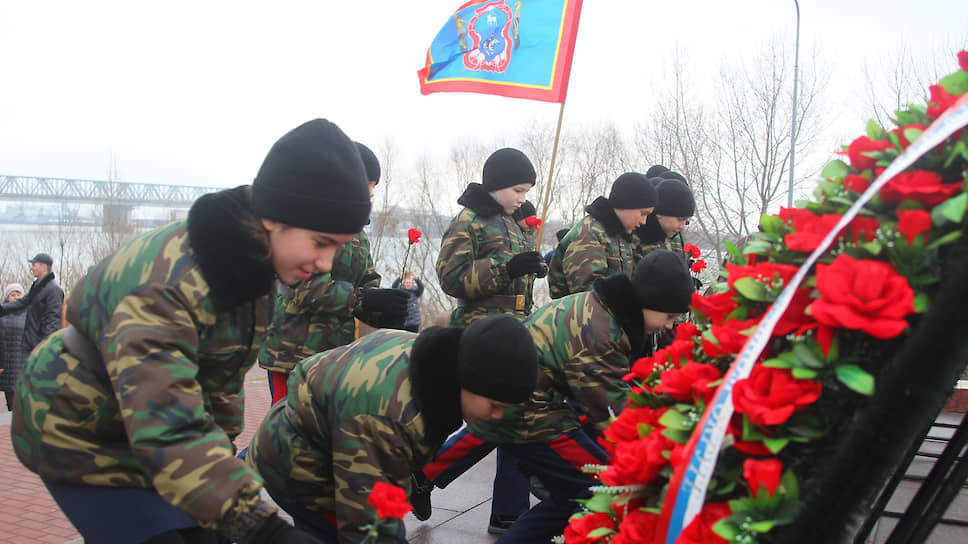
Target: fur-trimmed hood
column 433, row 373
column 234, row 259
column 480, row 201
column 601, row 209
column 617, row 295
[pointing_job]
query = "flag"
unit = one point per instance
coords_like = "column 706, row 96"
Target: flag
column 515, row 48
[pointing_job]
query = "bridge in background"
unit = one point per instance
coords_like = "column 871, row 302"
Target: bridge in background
column 116, row 198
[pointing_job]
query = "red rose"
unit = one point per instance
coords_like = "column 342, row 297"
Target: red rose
column 796, row 319
column 686, row 331
column 911, row 223
column 900, row 133
column 532, row 221
column 856, row 182
column 414, row 235
column 637, row 528
column 858, row 149
column 689, row 382
column 763, row 473
column 921, row 186
column 692, row 250
column 750, row 447
column 769, row 396
column 389, row 500
column 941, row 99
column 731, row 337
column 864, row 295
column 698, row 266
column 963, row 60
column 628, row 425
column 811, row 229
column 579, row 528
column 638, row 462
column 700, row 529
column 766, row 272
column 715, row 307
column 862, row 226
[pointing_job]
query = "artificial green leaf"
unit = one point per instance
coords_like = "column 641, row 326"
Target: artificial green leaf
column 676, row 435
column 874, row 131
column 956, row 83
column 762, row 526
column 856, row 378
column 771, row 223
column 946, row 239
column 777, row 362
column 874, row 247
column 599, row 502
column 912, row 134
column 757, row 247
column 674, row 420
column 751, row 289
column 952, row 209
column 803, row 373
column 775, row 445
column 734, row 252
column 959, row 150
column 921, row 303
column 835, row 169
column 600, row 532
column 808, row 356
column 726, row 530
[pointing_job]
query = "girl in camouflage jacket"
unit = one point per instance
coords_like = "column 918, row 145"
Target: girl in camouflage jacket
column 376, row 411
column 128, row 415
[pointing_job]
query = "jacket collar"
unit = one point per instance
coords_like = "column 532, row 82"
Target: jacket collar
column 618, row 296
column 433, row 373
column 233, row 258
column 602, row 210
column 480, row 201
column 651, row 231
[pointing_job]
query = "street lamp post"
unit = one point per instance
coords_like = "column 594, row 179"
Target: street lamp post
column 793, row 125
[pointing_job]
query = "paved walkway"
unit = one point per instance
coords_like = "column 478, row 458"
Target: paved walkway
column 30, row 516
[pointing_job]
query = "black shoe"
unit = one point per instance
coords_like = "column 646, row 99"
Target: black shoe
column 499, row 524
column 420, row 496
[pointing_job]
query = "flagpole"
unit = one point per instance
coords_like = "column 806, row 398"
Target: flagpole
column 551, row 172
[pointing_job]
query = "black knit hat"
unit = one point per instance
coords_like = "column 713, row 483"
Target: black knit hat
column 524, row 211
column 663, row 283
column 497, row 359
column 507, row 167
column 313, row 178
column 655, row 171
column 632, row 191
column 672, row 174
column 370, row 163
column 675, row 199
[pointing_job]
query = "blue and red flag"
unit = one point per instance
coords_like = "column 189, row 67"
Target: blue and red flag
column 515, row 48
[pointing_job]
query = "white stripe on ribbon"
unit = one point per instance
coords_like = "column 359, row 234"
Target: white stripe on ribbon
column 692, row 490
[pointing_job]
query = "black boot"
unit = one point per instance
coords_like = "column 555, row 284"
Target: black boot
column 420, row 496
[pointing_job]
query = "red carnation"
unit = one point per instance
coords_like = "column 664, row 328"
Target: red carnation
column 912, row 223
column 700, row 529
column 579, row 528
column 532, row 221
column 637, row 528
column 698, row 266
column 858, row 149
column 763, row 473
column 769, row 396
column 692, row 250
column 414, row 235
column 389, row 500
column 863, row 295
column 921, row 186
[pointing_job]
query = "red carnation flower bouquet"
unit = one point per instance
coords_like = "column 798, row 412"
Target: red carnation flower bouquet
column 841, row 379
column 390, row 503
column 413, row 236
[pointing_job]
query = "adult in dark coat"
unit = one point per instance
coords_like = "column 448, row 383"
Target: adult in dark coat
column 44, row 303
column 414, row 288
column 12, row 352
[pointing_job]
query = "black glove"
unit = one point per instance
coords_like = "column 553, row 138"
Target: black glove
column 529, row 262
column 276, row 531
column 384, row 308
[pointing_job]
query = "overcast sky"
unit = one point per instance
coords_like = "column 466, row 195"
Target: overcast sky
column 195, row 92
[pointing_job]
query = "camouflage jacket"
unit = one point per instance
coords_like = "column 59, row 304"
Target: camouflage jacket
column 650, row 237
column 177, row 327
column 317, row 313
column 372, row 411
column 596, row 247
column 585, row 348
column 472, row 264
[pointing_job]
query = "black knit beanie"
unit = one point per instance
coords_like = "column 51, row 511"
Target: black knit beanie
column 632, row 191
column 497, row 359
column 655, row 171
column 663, row 283
column 524, row 211
column 507, row 167
column 675, row 199
column 672, row 174
column 313, row 178
column 370, row 163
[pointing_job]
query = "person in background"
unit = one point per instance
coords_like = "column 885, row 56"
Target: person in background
column 13, row 354
column 44, row 303
column 488, row 264
column 128, row 415
column 521, row 216
column 414, row 289
column 559, row 234
column 378, row 409
column 601, row 244
column 672, row 214
column 318, row 313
